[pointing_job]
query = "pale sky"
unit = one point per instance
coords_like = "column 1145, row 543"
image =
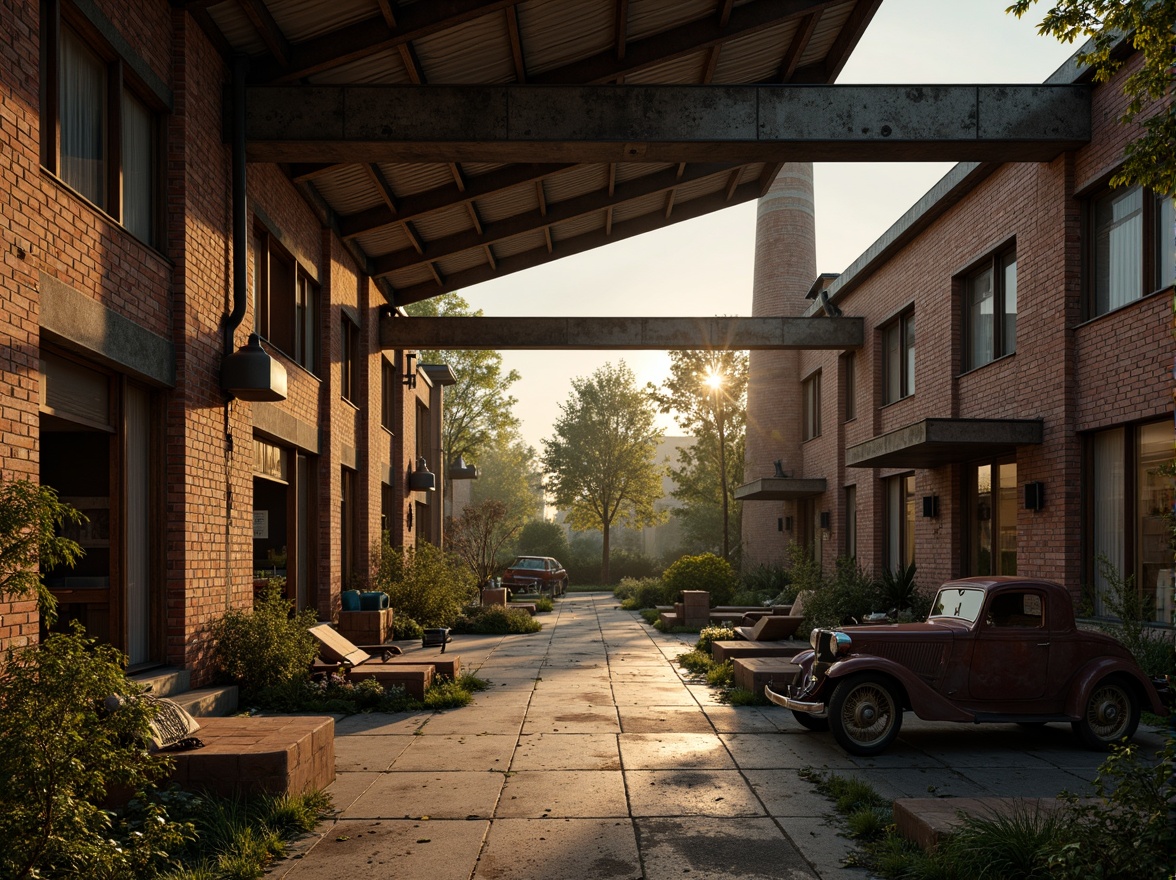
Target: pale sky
column 703, row 267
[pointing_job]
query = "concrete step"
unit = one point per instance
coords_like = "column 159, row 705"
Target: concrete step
column 926, row 821
column 209, row 702
column 164, row 682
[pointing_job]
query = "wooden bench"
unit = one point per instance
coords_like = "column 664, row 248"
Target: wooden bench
column 752, row 673
column 260, row 754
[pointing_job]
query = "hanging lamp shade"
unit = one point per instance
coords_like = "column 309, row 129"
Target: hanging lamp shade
column 251, row 374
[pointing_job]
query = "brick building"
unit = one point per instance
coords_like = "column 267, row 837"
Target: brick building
column 1013, row 398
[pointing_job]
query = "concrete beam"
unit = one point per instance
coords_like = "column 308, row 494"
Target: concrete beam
column 933, row 443
column 736, row 124
column 629, row 334
column 781, row 489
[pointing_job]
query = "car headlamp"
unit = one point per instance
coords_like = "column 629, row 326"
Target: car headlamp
column 830, row 644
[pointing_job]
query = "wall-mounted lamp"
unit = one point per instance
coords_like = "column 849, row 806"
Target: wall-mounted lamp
column 250, row 373
column 779, row 524
column 409, row 378
column 422, row 479
column 931, row 506
column 788, row 524
column 1034, row 495
column 408, row 518
column 826, row 520
column 459, row 470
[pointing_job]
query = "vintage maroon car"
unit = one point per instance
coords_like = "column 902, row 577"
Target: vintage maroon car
column 1000, row 649
column 535, row 574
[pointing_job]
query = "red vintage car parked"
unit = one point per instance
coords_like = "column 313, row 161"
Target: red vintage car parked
column 539, row 574
column 999, row 649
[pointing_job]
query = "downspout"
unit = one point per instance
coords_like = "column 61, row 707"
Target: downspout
column 240, row 212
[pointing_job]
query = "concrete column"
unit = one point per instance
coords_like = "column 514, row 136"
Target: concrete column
column 785, row 268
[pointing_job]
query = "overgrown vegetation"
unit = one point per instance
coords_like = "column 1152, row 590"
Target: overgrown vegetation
column 266, row 648
column 706, row 571
column 1151, row 647
column 636, row 593
column 708, row 635
column 424, row 584
column 32, row 521
column 495, row 620
column 1124, row 831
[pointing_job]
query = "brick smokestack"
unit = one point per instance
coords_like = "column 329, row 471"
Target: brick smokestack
column 785, row 267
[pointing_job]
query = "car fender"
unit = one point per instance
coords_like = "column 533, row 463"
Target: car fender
column 921, row 698
column 1082, row 684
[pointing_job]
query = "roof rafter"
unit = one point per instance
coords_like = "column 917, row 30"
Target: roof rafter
column 259, row 16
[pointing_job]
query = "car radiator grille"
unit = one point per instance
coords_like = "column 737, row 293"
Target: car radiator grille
column 924, row 660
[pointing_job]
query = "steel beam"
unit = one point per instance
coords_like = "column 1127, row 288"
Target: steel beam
column 626, row 334
column 736, row 124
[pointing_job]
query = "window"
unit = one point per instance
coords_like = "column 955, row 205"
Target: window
column 900, row 521
column 105, row 144
column 812, row 406
column 898, row 358
column 388, row 381
column 990, row 315
column 1132, row 250
column 285, row 301
column 349, row 382
column 347, row 532
column 1129, row 497
column 993, row 528
column 851, row 522
column 849, row 371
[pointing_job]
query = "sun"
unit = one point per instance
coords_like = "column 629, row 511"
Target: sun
column 713, row 380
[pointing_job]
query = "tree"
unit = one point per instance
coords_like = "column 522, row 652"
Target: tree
column 477, row 408
column 707, row 394
column 1150, row 159
column 509, row 473
column 479, row 533
column 600, row 461
column 540, row 537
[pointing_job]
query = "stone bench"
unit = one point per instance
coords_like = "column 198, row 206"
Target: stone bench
column 415, row 678
column 926, row 821
column 530, row 607
column 730, row 650
column 752, row 673
column 260, row 754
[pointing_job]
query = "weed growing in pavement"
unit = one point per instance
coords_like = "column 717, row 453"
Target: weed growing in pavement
column 721, row 674
column 743, row 697
column 696, row 662
column 708, row 635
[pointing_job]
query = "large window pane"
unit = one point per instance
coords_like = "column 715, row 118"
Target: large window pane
column 1009, row 267
column 1165, row 270
column 981, row 335
column 1154, row 494
column 1118, row 242
column 982, row 564
column 1006, row 521
column 1109, row 511
column 138, row 176
column 82, row 99
column 909, row 344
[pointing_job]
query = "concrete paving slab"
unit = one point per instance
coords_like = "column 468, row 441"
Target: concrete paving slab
column 505, row 719
column 567, row 751
column 739, row 719
column 718, row 849
column 640, row 694
column 823, row 846
column 379, row 723
column 529, row 849
column 674, row 751
column 719, row 793
column 388, row 848
column 558, row 794
column 348, row 786
column 653, row 719
column 585, row 719
column 374, row 753
column 763, row 751
column 785, row 794
column 481, row 751
column 436, row 794
column 549, row 701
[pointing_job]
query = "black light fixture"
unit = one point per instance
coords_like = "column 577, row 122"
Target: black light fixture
column 788, row 524
column 422, row 479
column 1034, row 495
column 459, row 470
column 826, row 520
column 931, row 506
column 410, row 376
column 779, row 524
column 251, row 374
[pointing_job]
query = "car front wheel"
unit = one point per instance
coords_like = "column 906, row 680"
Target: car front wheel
column 1111, row 714
column 864, row 714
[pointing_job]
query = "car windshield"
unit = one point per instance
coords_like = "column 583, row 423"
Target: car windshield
column 962, row 604
column 531, row 564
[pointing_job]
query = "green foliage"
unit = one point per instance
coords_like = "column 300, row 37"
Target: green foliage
column 707, row 393
column 696, row 662
column 31, row 519
column 599, row 460
column 721, row 674
column 1152, row 648
column 848, row 596
column 447, row 694
column 496, row 620
column 804, row 570
column 544, row 605
column 508, row 473
column 540, row 537
column 708, row 635
column 703, row 572
column 60, row 752
column 265, row 647
column 770, row 581
column 898, row 589
column 406, row 628
column 477, row 536
column 652, row 615
column 1016, row 844
column 636, row 593
column 333, row 693
column 744, row 697
column 868, row 823
column 424, row 584
column 1150, row 158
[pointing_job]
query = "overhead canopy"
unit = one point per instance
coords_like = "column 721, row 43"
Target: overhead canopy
column 781, row 489
column 435, row 223
column 932, row 443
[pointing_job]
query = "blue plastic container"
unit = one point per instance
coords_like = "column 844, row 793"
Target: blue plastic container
column 373, row 600
column 351, row 600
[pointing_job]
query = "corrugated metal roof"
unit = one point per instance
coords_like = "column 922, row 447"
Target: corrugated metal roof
column 556, row 34
column 447, row 221
column 512, row 202
column 385, row 240
column 475, row 52
column 578, row 182
column 826, row 31
column 756, row 57
column 520, row 244
column 407, row 180
column 411, row 277
column 579, row 226
column 383, row 68
column 303, row 19
column 349, row 190
column 648, row 17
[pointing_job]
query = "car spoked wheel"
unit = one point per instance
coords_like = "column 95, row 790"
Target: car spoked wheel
column 1111, row 715
column 864, row 714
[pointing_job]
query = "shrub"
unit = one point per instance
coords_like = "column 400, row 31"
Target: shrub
column 266, row 647
column 897, row 588
column 496, row 620
column 61, row 752
column 703, row 572
column 768, row 581
column 849, row 595
column 334, row 693
column 721, row 674
column 652, row 616
column 542, row 538
column 696, row 662
column 636, row 593
column 710, row 634
column 626, row 563
column 406, row 628
column 424, row 584
column 1152, row 648
column 744, row 697
column 543, row 605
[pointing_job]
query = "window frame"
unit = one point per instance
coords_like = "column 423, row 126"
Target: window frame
column 996, row 263
column 287, row 309
column 849, row 384
column 388, row 399
column 811, row 409
column 121, row 87
column 903, row 324
column 349, row 360
column 1151, row 251
column 899, row 531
